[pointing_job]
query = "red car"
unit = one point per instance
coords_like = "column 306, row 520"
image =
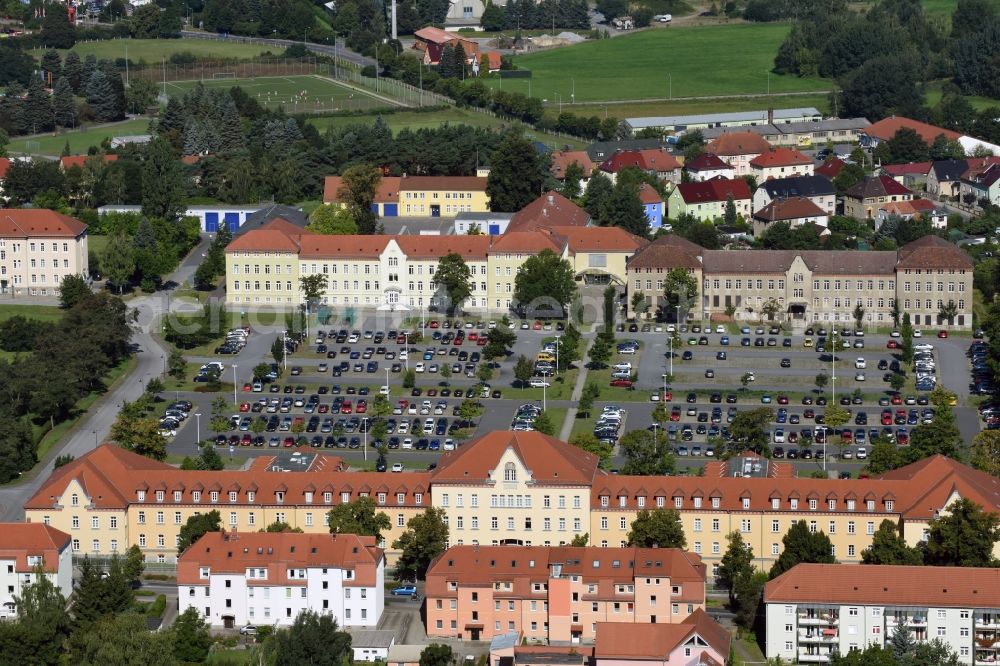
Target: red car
column 481, row 342
column 675, row 414
column 668, row 396
column 435, row 323
column 289, row 441
column 247, row 387
column 245, row 407
column 537, row 326
column 942, row 334
column 886, row 417
column 892, row 344
column 846, row 436
column 346, row 408
column 896, row 399
column 362, row 407
column 245, row 440
column 621, row 383
column 782, row 399
column 400, row 339
column 902, row 439
column 473, row 336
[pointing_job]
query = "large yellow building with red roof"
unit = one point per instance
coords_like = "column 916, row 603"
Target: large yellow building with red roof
column 38, row 249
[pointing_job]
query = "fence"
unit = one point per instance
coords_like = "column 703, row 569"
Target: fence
column 404, row 93
column 103, row 562
column 205, row 70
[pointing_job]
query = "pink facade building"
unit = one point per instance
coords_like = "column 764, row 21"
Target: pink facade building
column 560, row 593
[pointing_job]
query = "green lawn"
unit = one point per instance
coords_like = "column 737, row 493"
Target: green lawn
column 415, row 120
column 682, row 62
column 42, row 312
column 978, row 103
column 294, row 93
column 155, row 50
column 79, row 140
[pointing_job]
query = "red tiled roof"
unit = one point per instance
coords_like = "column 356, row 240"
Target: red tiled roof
column 319, row 246
column 831, row 167
column 598, row 239
column 668, row 251
column 886, row 128
column 70, row 161
column 782, row 156
column 655, row 642
column 438, row 36
column 886, row 585
column 387, row 191
column 648, row 160
column 561, row 159
column 738, row 143
column 912, row 168
column 38, row 223
column 706, row 162
column 264, row 240
column 717, row 189
column 234, row 553
column 23, row 540
column 649, row 195
column 4, row 165
column 495, row 60
column 876, row 186
column 549, row 461
column 524, row 242
column 789, row 209
column 549, row 210
column 110, row 478
column 434, row 247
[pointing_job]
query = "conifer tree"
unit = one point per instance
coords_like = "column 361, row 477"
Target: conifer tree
column 63, row 104
column 72, row 69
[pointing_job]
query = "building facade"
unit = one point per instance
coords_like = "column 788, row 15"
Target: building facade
column 813, row 285
column 781, row 163
column 813, row 610
column 552, row 594
column 111, row 499
column 862, row 200
column 38, row 249
column 421, row 196
column 238, row 578
column 698, row 640
column 817, row 189
column 707, row 200
column 25, row 549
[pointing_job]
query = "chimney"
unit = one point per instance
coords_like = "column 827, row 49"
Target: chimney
column 551, row 199
column 770, row 116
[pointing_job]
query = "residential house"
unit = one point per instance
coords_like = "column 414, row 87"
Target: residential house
column 26, row 550
column 816, row 610
column 237, row 578
column 549, row 210
column 67, row 162
column 738, row 149
column 421, row 196
column 4, row 166
column 796, row 211
column 944, row 177
column 110, row 499
column 564, row 593
column 41, row 248
column 648, row 268
column 885, row 129
column 561, row 159
column 707, row 166
column 653, row 204
column 372, row 644
column 830, row 168
column 916, row 209
column 707, row 200
column 430, row 41
column 862, row 200
column 817, row 189
column 655, row 162
column 815, row 285
column 912, row 175
column 980, row 185
column 696, row 641
column 781, row 162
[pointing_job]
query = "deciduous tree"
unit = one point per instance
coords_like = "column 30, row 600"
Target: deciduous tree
column 454, row 279
column 332, row 220
column 545, row 279
column 800, row 544
column 646, row 454
column 518, row 173
column 196, row 526
column 425, row 538
column 359, row 517
column 962, row 536
column 660, row 528
column 314, row 639
column 889, row 547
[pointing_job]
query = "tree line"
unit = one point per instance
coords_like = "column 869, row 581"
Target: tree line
column 57, row 365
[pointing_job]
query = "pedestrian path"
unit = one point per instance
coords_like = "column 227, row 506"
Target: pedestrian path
column 581, row 382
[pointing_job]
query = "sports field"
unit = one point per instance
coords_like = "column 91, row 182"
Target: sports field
column 155, row 50
column 79, row 140
column 303, row 94
column 732, row 59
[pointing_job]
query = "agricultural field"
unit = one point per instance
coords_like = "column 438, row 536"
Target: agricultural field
column 297, row 94
column 79, row 140
column 415, row 120
column 720, row 60
column 155, row 50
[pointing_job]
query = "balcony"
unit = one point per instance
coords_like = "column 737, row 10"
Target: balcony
column 824, row 636
column 816, row 658
column 985, row 658
column 988, row 622
column 818, row 619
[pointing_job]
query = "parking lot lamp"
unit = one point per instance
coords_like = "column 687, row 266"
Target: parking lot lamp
column 677, row 317
column 284, row 354
column 197, row 418
column 235, row 398
column 833, row 364
column 544, row 384
column 670, row 343
column 387, row 384
column 558, row 342
column 823, row 428
column 365, row 434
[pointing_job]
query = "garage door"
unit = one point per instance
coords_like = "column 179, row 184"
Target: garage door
column 233, row 221
column 390, row 210
column 494, row 230
column 211, row 222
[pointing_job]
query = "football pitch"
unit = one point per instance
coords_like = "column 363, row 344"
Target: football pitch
column 304, row 93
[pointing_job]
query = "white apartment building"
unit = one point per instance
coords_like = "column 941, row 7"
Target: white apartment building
column 38, row 248
column 23, row 548
column 260, row 578
column 814, row 609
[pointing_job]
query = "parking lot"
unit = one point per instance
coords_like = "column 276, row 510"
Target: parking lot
column 321, row 402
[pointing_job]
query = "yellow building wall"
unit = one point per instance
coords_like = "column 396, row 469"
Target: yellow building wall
column 614, row 264
column 417, row 203
column 262, row 278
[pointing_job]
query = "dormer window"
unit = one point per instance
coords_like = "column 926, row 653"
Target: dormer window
column 715, row 502
column 345, row 498
column 510, row 472
column 177, row 496
column 214, row 496
column 812, row 505
column 850, row 505
column 418, row 498
column 232, row 495
column 250, row 495
column 622, row 501
column 159, row 495
column 381, row 498
column 775, row 503
column 309, row 497
column 140, row 496
column 794, row 503
column 832, row 505
column 604, row 500
column 279, row 496
column 870, row 505
column 678, row 502
column 327, row 498
column 746, row 502
column 400, row 498
column 74, row 500
column 697, row 502
column 196, row 496
column 888, row 505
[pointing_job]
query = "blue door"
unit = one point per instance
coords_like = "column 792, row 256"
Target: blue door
column 390, row 210
column 233, row 221
column 211, row 222
column 435, row 210
column 494, row 230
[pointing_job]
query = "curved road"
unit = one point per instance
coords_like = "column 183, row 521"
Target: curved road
column 94, row 426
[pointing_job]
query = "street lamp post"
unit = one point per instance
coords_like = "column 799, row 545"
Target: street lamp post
column 164, row 359
column 677, row 317
column 94, row 432
column 544, row 384
column 833, row 365
column 823, row 428
column 197, row 418
column 235, row 399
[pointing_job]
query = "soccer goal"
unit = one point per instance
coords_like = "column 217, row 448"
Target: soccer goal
column 223, row 75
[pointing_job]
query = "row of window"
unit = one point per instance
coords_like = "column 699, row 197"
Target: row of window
column 928, row 286
column 716, row 502
column 41, row 247
column 279, row 497
column 511, row 526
